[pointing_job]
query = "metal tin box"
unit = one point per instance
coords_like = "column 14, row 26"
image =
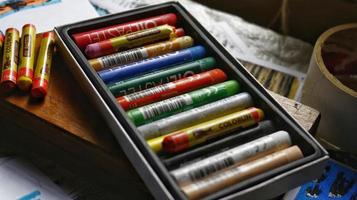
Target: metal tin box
column 153, row 169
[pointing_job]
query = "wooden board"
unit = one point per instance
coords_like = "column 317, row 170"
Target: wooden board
column 64, row 128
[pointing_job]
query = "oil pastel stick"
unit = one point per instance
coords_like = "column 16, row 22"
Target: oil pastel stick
column 263, row 128
column 240, row 154
column 10, row 60
column 235, row 174
column 171, row 89
column 27, row 57
column 97, row 35
column 43, row 66
column 156, row 78
column 196, row 115
column 131, row 40
column 174, row 58
column 2, row 38
column 171, row 106
column 141, row 53
column 197, row 134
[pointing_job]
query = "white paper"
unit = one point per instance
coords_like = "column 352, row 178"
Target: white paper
column 46, row 17
column 21, row 181
column 244, row 40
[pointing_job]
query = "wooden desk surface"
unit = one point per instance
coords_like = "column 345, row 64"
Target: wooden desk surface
column 66, row 120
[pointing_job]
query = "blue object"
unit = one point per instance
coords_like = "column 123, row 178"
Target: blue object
column 32, row 196
column 338, row 182
column 122, row 72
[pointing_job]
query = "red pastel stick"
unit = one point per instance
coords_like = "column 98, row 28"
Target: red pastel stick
column 171, row 89
column 97, row 35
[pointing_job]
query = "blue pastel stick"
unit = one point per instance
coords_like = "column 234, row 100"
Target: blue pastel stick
column 126, row 71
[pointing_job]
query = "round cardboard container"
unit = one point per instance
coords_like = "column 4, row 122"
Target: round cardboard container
column 333, row 96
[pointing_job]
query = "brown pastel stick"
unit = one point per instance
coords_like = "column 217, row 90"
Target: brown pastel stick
column 234, row 174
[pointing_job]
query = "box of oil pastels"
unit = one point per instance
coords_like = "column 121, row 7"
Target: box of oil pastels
column 193, row 122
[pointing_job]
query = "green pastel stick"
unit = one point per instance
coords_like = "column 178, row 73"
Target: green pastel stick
column 171, row 106
column 160, row 77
